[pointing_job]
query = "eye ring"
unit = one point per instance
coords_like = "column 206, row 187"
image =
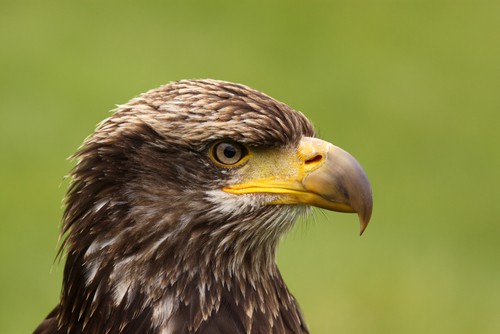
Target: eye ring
column 228, row 153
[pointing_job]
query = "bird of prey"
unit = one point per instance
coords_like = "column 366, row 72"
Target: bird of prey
column 176, row 206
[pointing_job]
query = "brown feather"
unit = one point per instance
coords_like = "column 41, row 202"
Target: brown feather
column 149, row 248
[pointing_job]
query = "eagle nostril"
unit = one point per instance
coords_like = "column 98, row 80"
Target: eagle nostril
column 315, row 159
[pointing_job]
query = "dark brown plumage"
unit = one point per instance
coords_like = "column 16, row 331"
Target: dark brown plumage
column 176, row 206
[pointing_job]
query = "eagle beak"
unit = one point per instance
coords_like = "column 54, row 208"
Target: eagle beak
column 324, row 176
column 337, row 178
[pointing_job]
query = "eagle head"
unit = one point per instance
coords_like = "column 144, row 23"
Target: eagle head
column 176, row 206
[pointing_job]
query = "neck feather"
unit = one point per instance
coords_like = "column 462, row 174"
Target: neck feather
column 191, row 277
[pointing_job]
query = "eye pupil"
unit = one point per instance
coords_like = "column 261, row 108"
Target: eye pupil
column 228, row 153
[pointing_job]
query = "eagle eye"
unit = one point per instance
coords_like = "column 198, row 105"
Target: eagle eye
column 228, row 153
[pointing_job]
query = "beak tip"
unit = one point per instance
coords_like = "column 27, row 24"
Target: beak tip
column 364, row 219
column 362, row 229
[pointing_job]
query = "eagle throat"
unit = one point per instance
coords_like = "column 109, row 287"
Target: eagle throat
column 193, row 277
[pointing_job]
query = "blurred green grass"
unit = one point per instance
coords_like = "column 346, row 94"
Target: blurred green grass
column 411, row 88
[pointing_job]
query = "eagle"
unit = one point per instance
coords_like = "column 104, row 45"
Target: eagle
column 176, row 206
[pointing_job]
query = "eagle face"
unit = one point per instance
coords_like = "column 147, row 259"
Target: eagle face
column 177, row 204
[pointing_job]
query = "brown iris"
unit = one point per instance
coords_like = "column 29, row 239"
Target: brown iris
column 228, row 153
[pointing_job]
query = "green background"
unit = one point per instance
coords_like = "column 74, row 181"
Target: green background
column 411, row 88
